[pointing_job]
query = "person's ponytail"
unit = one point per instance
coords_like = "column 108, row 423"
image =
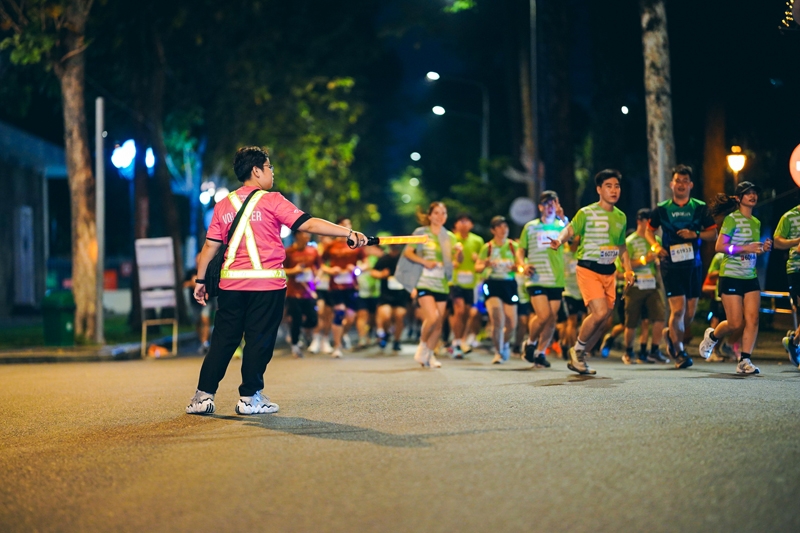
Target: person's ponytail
column 723, row 204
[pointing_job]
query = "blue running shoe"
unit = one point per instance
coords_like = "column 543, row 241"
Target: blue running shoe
column 607, row 343
column 791, row 348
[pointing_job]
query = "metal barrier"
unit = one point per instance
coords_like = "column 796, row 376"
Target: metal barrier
column 774, row 309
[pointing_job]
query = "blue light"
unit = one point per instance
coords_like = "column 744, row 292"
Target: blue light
column 485, row 290
column 149, row 158
column 123, row 156
column 710, row 314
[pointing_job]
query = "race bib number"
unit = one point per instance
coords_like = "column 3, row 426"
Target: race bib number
column 748, row 260
column 681, row 252
column 393, row 285
column 343, row 279
column 306, row 276
column 435, row 272
column 465, row 278
column 645, row 282
column 544, row 237
column 608, row 254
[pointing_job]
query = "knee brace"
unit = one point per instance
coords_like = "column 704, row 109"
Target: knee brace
column 338, row 316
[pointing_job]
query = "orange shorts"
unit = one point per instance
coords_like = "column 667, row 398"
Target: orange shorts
column 594, row 286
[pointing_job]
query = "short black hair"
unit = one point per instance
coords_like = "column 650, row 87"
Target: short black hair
column 462, row 216
column 246, row 158
column 546, row 196
column 683, row 170
column 607, row 174
column 644, row 214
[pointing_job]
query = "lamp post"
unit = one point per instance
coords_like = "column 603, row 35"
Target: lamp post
column 736, row 161
column 434, row 76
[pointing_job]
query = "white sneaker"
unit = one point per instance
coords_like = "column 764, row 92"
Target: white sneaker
column 421, row 356
column 314, row 346
column 707, row 345
column 297, row 350
column 432, row 361
column 346, row 343
column 326, row 345
column 577, row 362
column 255, row 405
column 337, row 354
column 746, row 367
column 202, row 403
column 498, row 359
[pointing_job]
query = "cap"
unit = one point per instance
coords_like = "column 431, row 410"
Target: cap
column 496, row 221
column 745, row 186
column 546, row 196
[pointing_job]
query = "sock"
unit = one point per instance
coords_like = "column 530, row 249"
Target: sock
column 643, row 347
column 629, row 350
column 713, row 337
column 745, row 356
column 654, row 349
column 580, row 346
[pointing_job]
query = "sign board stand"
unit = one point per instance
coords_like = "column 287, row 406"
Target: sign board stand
column 156, row 269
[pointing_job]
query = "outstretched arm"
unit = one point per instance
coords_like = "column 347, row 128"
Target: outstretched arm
column 321, row 226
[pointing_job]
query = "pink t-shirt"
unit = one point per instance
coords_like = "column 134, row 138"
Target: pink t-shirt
column 270, row 212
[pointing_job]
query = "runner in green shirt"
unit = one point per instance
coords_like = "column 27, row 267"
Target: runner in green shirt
column 602, row 230
column 787, row 236
column 369, row 289
column 544, row 270
column 740, row 291
column 499, row 257
column 465, row 319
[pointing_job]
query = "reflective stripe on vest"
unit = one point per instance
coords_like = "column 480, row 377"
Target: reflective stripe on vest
column 244, row 230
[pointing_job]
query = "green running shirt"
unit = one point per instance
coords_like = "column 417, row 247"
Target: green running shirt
column 549, row 263
column 741, row 230
column 465, row 276
column 433, row 279
column 789, row 228
column 503, row 258
column 602, row 232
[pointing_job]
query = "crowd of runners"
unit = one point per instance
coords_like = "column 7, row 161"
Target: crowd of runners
column 552, row 291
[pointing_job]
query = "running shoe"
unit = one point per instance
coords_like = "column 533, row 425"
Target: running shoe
column 432, row 361
column 628, row 358
column 746, row 367
column 670, row 347
column 337, row 354
column 541, row 361
column 255, row 405
column 383, row 338
column 682, row 360
column 204, row 347
column 315, row 345
column 346, row 342
column 396, row 346
column 556, row 348
column 577, row 363
column 505, row 352
column 326, row 345
column 608, row 342
column 457, row 353
column 421, row 355
column 297, row 351
column 530, row 353
column 644, row 358
column 726, row 350
column 791, row 348
column 707, row 345
column 202, row 403
column 498, row 359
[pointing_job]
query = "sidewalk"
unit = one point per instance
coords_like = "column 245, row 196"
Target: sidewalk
column 72, row 354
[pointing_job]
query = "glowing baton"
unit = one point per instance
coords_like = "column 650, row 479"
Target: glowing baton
column 400, row 239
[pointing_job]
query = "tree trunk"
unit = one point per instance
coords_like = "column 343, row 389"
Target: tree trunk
column 658, row 97
column 70, row 73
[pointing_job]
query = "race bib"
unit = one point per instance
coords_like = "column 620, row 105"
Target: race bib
column 543, row 238
column 306, row 276
column 748, row 260
column 681, row 252
column 608, row 254
column 393, row 285
column 645, row 282
column 572, row 267
column 435, row 272
column 343, row 279
column 465, row 277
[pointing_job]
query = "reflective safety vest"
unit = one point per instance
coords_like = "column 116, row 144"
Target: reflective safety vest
column 244, row 229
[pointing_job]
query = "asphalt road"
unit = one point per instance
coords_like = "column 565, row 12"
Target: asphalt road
column 374, row 443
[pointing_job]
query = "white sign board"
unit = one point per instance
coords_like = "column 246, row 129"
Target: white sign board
column 522, row 210
column 155, row 261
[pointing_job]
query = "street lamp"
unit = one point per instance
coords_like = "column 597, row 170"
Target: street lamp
column 736, row 160
column 415, row 156
column 434, row 76
column 438, row 110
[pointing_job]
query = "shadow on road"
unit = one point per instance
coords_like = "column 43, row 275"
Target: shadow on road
column 589, row 381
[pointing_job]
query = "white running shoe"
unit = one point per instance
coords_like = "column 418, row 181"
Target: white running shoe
column 326, row 345
column 707, row 345
column 577, row 362
column 746, row 367
column 337, row 354
column 346, row 342
column 421, row 356
column 314, row 346
column 202, row 403
column 255, row 405
column 297, row 351
column 432, row 361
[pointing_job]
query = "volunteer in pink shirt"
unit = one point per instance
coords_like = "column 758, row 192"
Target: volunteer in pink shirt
column 252, row 280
